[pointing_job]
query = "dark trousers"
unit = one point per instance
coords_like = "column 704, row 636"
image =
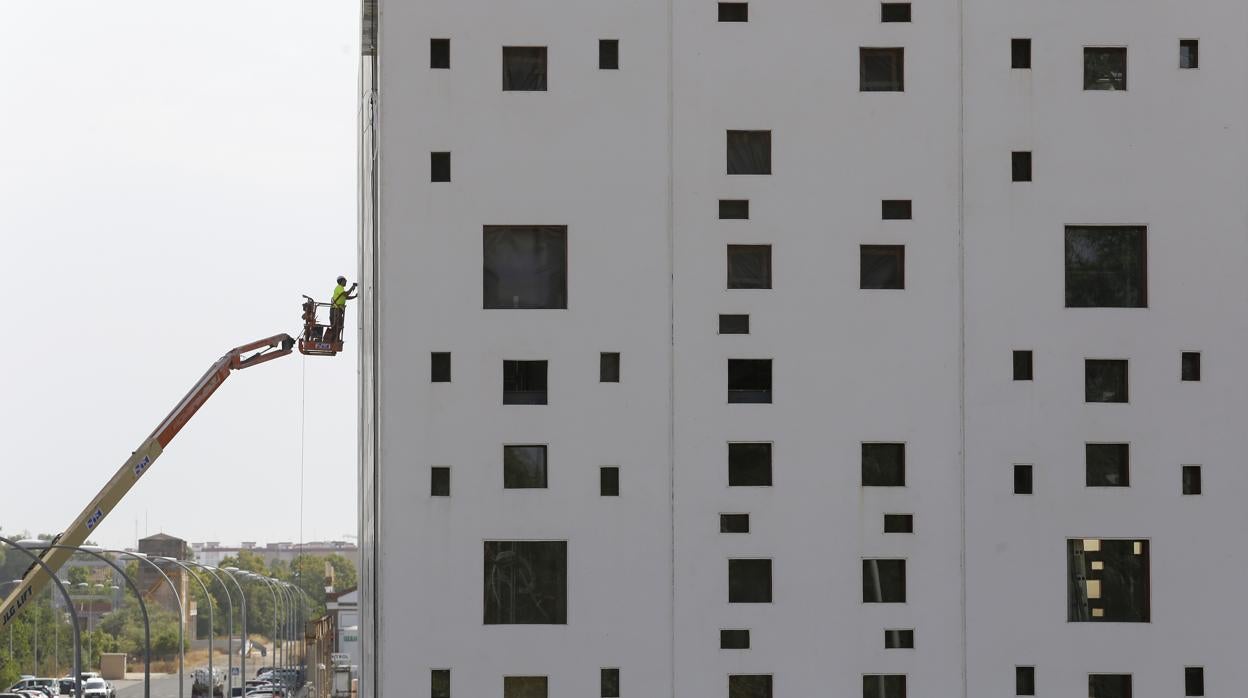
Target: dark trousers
column 336, row 317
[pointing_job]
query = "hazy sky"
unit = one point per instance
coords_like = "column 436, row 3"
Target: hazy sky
column 173, row 175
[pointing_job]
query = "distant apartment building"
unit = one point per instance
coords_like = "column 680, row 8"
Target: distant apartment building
column 213, row 552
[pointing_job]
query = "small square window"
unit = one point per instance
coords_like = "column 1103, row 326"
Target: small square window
column 749, row 152
column 734, row 12
column 1191, row 366
column 882, row 267
column 440, row 683
column 1020, row 165
column 749, row 380
column 1109, row 686
column 1104, row 380
column 1108, row 465
column 524, row 467
column 749, row 581
column 1106, row 267
column 884, row 685
column 895, row 12
column 439, row 167
column 734, row 324
column 749, row 465
column 734, row 639
column 609, row 481
column 1023, row 365
column 895, row 209
column 1193, row 681
column 734, row 209
column 608, row 54
column 1024, row 681
column 1191, row 479
column 734, row 523
column 440, row 481
column 883, row 465
column 440, row 54
column 749, row 266
column 884, row 581
column 1020, row 54
column 524, row 382
column 610, row 681
column 525, row 687
column 899, row 639
column 1023, row 479
column 524, row 68
column 609, row 367
column 749, row 686
column 899, row 523
column 881, row 69
column 440, row 367
column 1105, row 68
column 1189, row 55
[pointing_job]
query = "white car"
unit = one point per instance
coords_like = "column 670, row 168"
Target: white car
column 97, row 688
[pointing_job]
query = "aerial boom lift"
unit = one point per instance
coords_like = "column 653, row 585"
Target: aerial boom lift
column 316, row 340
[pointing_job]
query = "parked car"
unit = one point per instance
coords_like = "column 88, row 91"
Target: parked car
column 267, row 692
column 45, row 687
column 98, row 688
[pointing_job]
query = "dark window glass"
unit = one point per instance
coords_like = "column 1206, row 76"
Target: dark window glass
column 440, row 683
column 899, row 523
column 609, row 54
column 899, row 639
column 883, row 465
column 734, row 523
column 609, row 481
column 1191, row 479
column 1191, row 366
column 1104, row 68
column 881, row 69
column 749, row 465
column 440, row 481
column 734, row 324
column 609, row 367
column 1020, row 54
column 749, row 266
column 524, row 687
column 526, row 582
column 1022, row 479
column 734, row 209
column 440, row 366
column 524, row 382
column 439, row 167
column 610, row 681
column 1022, row 365
column 526, row 266
column 1024, row 681
column 749, row 686
column 749, row 581
column 884, row 686
column 895, row 12
column 1108, row 465
column 734, row 12
column 524, row 68
column 1020, row 166
column 882, row 266
column 524, row 467
column 1106, row 267
column 1193, row 681
column 895, row 209
column 884, row 581
column 1109, row 686
column 1189, row 58
column 734, row 639
column 749, row 152
column 440, row 53
column 749, row 380
column 1108, row 581
column 1104, row 380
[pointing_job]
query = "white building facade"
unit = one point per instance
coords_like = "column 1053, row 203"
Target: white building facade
column 796, row 349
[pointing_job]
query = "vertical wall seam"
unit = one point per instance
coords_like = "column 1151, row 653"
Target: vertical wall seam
column 961, row 244
column 671, row 288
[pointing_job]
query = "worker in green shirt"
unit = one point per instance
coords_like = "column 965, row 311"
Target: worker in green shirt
column 338, row 308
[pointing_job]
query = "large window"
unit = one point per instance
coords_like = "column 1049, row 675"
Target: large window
column 883, row 465
column 526, row 266
column 884, row 581
column 884, row 686
column 524, row 467
column 526, row 582
column 1108, row 465
column 524, row 68
column 524, row 382
column 749, row 380
column 1105, row 380
column 749, row 686
column 1106, row 267
column 524, row 687
column 749, row 465
column 749, row 152
column 1105, row 68
column 749, row 266
column 881, row 69
column 882, row 266
column 749, row 581
column 1107, row 581
column 1109, row 686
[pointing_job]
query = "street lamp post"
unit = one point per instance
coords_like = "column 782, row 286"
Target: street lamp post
column 142, row 557
column 242, row 598
column 262, row 578
column 229, row 626
column 64, row 593
column 212, row 679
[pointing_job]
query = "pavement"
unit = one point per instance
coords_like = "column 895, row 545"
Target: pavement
column 164, row 686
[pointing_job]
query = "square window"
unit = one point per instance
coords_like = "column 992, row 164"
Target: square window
column 524, row 467
column 1108, row 465
column 1104, row 68
column 609, row 367
column 440, row 367
column 1108, row 581
column 610, row 680
column 1104, row 380
column 749, row 380
column 1022, row 479
column 749, row 152
column 1020, row 54
column 440, row 683
column 749, row 465
column 440, row 54
column 749, row 686
column 609, row 481
column 881, row 69
column 1023, row 365
column 884, row 686
column 734, row 324
column 526, row 266
column 882, row 267
column 895, row 209
column 899, row 639
column 524, row 687
column 734, row 12
column 1020, row 166
column 1189, row 55
column 734, row 209
column 524, row 68
column 1024, row 681
column 734, row 523
column 899, row 523
column 1106, row 267
column 524, row 382
column 526, row 582
column 1191, row 479
column 439, row 167
column 734, row 639
column 608, row 54
column 883, row 465
column 749, row 266
column 1193, row 681
column 884, row 581
column 895, row 12
column 439, row 481
column 1109, row 686
column 1191, row 366
column 749, row 581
